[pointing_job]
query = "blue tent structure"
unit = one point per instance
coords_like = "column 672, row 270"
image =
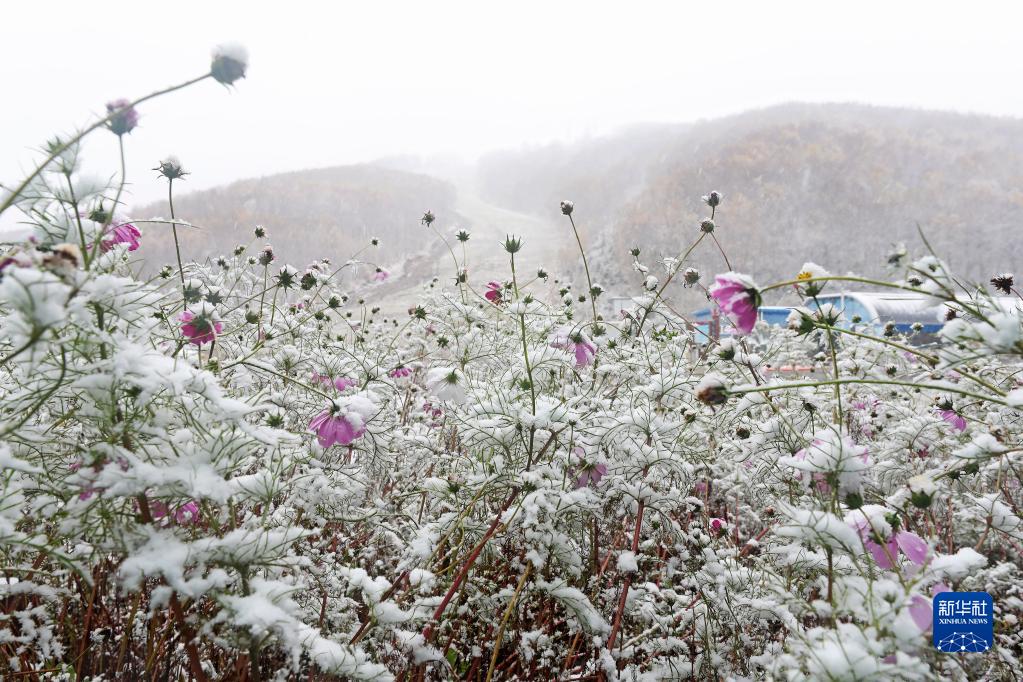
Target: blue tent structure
column 708, row 323
column 871, row 311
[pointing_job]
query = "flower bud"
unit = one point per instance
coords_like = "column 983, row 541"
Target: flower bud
column 170, row 167
column 707, row 226
column 123, row 117
column 567, row 207
column 512, row 244
column 690, row 277
column 229, row 63
column 922, row 489
column 711, row 390
column 712, row 199
column 428, row 218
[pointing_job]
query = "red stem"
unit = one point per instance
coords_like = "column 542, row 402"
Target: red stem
column 428, row 630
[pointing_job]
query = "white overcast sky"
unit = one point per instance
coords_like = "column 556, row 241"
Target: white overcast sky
column 342, row 82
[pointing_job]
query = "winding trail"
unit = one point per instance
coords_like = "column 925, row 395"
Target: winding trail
column 546, row 243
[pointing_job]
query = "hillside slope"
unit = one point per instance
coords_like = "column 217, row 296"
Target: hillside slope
column 836, row 184
column 322, row 213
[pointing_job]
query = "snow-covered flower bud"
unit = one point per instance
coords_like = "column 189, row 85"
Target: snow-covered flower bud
column 707, row 226
column 286, row 277
column 192, row 290
column 123, row 117
column 230, row 62
column 567, row 207
column 800, row 320
column 690, row 277
column 428, row 218
column 170, row 167
column 712, row 199
column 922, row 489
column 712, row 390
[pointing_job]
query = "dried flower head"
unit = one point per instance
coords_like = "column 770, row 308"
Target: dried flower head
column 1003, row 282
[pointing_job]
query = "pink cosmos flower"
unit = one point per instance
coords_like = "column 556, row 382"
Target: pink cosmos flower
column 578, row 343
column 957, row 421
column 187, row 514
column 435, row 413
column 737, row 296
column 121, row 233
column 838, row 455
column 911, row 544
column 493, row 292
column 381, row 275
column 400, row 372
column 202, row 326
column 343, row 422
column 184, row 515
column 344, row 383
column 331, row 429
column 591, row 475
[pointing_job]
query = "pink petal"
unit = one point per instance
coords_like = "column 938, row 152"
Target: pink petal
column 878, row 552
column 921, row 611
column 913, row 545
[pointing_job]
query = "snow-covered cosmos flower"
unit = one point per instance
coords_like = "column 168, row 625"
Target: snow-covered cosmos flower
column 884, row 544
column 590, row 473
column 738, row 297
column 343, row 421
column 811, row 271
column 121, row 233
column 200, row 324
column 957, row 421
column 400, row 372
column 830, row 459
column 447, row 383
column 381, row 275
column 578, row 343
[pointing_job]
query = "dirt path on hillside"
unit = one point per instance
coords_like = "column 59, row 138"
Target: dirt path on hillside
column 545, row 243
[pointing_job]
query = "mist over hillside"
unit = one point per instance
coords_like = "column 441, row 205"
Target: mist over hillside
column 322, row 213
column 833, row 183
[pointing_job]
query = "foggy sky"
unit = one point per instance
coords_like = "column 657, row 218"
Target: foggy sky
column 343, row 82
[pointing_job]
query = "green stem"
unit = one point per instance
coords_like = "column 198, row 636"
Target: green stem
column 74, row 140
column 881, row 382
column 589, row 281
column 174, row 229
